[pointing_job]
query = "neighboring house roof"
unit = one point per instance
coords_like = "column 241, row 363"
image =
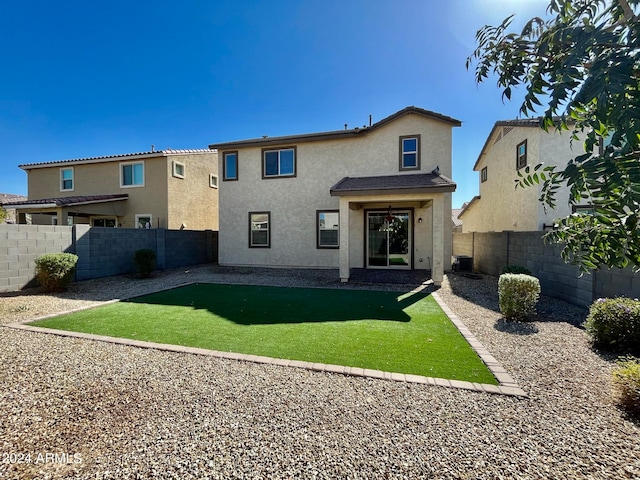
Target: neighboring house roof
column 526, row 122
column 115, row 158
column 68, row 201
column 455, row 214
column 336, row 134
column 7, row 198
column 466, row 206
column 421, row 182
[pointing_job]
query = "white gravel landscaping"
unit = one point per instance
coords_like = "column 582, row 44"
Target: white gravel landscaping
column 74, row 408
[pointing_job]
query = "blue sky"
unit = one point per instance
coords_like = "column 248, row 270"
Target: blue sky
column 84, row 79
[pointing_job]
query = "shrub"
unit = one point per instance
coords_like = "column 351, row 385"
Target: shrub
column 614, row 324
column 54, row 271
column 515, row 269
column 518, row 295
column 626, row 382
column 145, row 259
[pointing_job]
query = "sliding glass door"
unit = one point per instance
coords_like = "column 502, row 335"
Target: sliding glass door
column 389, row 239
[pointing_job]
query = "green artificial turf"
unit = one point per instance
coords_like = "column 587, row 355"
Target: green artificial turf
column 386, row 331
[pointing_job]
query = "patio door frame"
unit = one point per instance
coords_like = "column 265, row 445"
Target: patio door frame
column 410, row 233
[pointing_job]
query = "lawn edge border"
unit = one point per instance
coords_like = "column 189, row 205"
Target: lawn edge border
column 507, row 386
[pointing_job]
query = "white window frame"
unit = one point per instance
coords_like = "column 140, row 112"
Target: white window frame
column 521, row 160
column 124, row 164
column 73, row 179
column 213, row 180
column 174, row 169
column 143, row 215
column 415, row 152
column 318, row 229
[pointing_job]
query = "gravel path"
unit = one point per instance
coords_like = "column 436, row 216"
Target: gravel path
column 126, row 412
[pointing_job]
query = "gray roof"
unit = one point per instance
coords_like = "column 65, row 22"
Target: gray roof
column 68, row 201
column 455, row 213
column 407, row 183
column 335, row 134
column 115, row 158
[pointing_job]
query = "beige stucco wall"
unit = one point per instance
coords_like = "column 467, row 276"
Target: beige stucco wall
column 170, row 201
column 191, row 201
column 293, row 202
column 503, row 207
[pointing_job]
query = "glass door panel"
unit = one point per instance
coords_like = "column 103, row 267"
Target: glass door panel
column 388, row 240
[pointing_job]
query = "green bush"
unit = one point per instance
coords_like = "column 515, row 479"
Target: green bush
column 626, row 382
column 54, row 271
column 614, row 324
column 145, row 259
column 518, row 295
column 515, row 269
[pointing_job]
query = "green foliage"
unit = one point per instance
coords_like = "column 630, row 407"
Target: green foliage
column 145, row 259
column 626, row 381
column 584, row 64
column 614, row 324
column 3, row 214
column 515, row 269
column 54, row 271
column 518, row 295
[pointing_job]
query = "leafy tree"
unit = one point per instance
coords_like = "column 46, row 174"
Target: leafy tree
column 581, row 65
column 3, row 214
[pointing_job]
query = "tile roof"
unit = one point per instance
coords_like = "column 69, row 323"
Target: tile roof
column 422, row 182
column 114, row 158
column 311, row 137
column 455, row 212
column 69, row 201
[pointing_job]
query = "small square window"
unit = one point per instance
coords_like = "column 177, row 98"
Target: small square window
column 213, row 180
column 178, row 169
column 132, row 174
column 328, row 229
column 279, row 163
column 483, row 175
column 230, row 166
column 521, row 155
column 144, row 220
column 410, row 152
column 259, row 229
column 66, row 179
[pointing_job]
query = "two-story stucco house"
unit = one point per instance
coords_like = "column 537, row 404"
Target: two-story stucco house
column 372, row 197
column 511, row 146
column 171, row 189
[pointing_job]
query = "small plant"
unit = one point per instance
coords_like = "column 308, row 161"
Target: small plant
column 145, row 259
column 614, row 324
column 626, row 382
column 515, row 269
column 54, row 271
column 518, row 295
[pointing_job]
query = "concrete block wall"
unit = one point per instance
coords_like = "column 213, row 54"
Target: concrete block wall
column 492, row 251
column 101, row 252
column 20, row 245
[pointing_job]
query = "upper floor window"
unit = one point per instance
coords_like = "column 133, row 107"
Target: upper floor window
column 230, row 166
column 132, row 174
column 483, row 175
column 66, row 179
column 178, row 169
column 328, row 234
column 213, row 180
column 521, row 154
column 279, row 163
column 410, row 152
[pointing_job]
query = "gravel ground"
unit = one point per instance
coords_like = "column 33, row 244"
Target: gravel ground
column 124, row 412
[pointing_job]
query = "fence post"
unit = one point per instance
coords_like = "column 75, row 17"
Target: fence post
column 160, row 248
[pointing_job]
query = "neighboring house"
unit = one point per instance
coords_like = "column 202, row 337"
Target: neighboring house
column 511, row 146
column 7, row 198
column 174, row 189
column 455, row 218
column 371, row 197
